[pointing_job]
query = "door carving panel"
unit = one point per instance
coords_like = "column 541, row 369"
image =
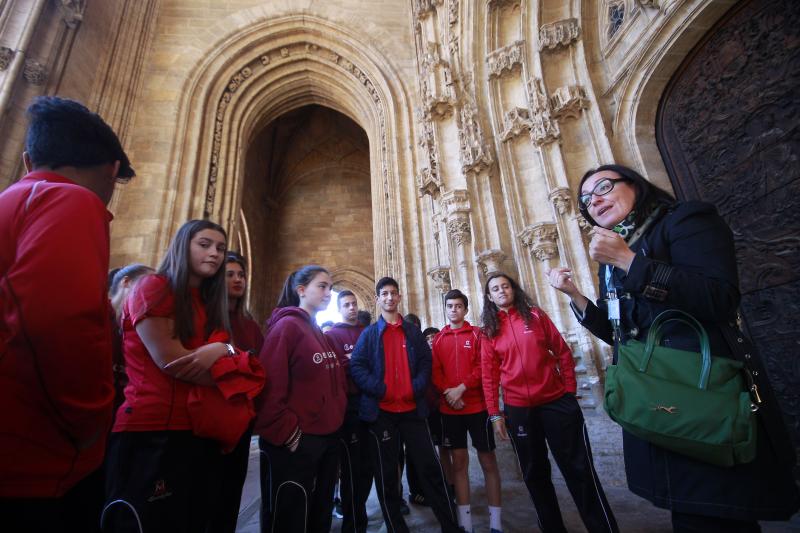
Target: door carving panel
column 728, row 129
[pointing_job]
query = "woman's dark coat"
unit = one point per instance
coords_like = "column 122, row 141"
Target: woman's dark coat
column 686, row 260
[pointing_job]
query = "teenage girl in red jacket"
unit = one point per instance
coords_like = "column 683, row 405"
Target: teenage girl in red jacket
column 301, row 410
column 159, row 476
column 525, row 354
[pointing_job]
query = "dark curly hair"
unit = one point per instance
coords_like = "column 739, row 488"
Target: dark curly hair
column 522, row 303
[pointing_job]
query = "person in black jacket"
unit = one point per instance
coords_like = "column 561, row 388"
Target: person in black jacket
column 655, row 254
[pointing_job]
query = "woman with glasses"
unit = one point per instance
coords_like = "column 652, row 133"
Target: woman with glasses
column 656, row 253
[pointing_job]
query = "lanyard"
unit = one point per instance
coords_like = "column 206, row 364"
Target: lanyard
column 612, row 301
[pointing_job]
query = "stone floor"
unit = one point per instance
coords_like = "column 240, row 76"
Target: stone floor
column 633, row 514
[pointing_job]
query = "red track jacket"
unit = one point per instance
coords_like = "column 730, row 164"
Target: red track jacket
column 532, row 363
column 56, row 386
column 457, row 360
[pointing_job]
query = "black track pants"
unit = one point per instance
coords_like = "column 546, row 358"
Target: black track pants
column 297, row 487
column 385, row 433
column 356, row 473
column 560, row 425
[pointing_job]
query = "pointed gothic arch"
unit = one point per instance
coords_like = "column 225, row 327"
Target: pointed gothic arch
column 263, row 70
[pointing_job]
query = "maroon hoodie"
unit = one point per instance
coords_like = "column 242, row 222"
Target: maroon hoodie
column 305, row 383
column 343, row 338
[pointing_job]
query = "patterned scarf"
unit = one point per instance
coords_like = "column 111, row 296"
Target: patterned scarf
column 627, row 226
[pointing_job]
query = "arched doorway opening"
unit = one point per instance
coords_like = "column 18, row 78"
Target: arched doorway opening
column 307, row 199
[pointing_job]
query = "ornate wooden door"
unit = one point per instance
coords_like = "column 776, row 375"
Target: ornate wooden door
column 728, row 128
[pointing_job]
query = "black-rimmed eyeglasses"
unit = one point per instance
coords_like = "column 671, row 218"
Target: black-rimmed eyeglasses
column 601, row 188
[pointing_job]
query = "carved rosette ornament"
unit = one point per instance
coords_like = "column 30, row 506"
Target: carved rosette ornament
column 459, row 229
column 561, row 33
column 34, row 72
column 569, row 101
column 515, row 122
column 505, row 60
column 542, row 239
column 441, row 278
column 490, row 260
column 561, row 198
column 6, row 55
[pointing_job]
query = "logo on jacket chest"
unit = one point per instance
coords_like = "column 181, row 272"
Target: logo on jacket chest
column 348, row 350
column 467, row 344
column 319, row 357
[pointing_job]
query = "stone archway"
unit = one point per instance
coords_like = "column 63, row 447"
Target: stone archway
column 656, row 61
column 259, row 73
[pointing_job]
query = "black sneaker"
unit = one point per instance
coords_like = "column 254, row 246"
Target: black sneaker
column 404, row 510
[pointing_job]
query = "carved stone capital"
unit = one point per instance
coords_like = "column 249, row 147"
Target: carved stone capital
column 34, row 72
column 490, row 260
column 455, row 202
column 542, row 239
column 515, row 122
column 560, row 33
column 72, row 12
column 568, row 101
column 6, row 55
column 505, row 60
column 459, row 229
column 441, row 278
column 562, row 200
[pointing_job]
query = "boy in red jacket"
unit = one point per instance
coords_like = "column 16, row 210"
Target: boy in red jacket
column 457, row 376
column 55, row 320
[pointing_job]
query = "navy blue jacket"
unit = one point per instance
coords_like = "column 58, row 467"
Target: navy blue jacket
column 367, row 368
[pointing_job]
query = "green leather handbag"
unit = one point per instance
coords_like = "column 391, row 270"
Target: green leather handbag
column 690, row 403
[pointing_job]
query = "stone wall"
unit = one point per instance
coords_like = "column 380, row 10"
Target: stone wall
column 480, row 118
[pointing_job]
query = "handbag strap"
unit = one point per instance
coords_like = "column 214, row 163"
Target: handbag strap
column 655, row 335
column 743, row 350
